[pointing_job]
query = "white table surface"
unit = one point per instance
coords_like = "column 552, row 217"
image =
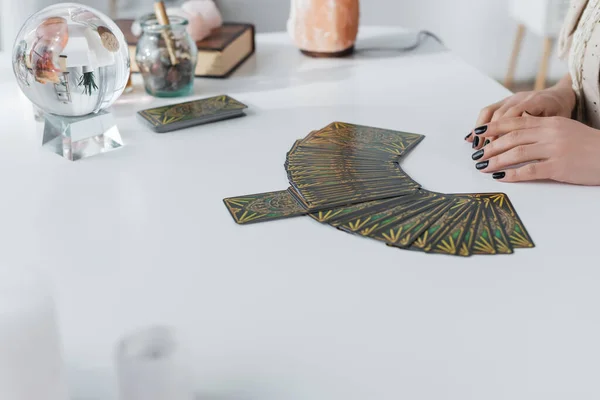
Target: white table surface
column 293, row 309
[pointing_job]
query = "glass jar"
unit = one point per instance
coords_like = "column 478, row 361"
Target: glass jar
column 166, row 56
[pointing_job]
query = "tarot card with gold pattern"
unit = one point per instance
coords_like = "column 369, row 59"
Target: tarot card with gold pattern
column 191, row 113
column 263, row 207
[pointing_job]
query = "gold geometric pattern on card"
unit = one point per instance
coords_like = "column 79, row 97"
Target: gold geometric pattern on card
column 349, row 177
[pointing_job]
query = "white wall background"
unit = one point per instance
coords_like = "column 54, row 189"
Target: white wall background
column 480, row 31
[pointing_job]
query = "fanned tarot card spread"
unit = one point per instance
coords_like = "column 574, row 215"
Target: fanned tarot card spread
column 349, row 176
column 510, row 222
column 369, row 138
column 184, row 115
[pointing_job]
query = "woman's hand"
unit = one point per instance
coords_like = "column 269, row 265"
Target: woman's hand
column 554, row 148
column 557, row 101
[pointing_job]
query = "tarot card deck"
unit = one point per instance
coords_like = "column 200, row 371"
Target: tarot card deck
column 197, row 112
column 348, row 176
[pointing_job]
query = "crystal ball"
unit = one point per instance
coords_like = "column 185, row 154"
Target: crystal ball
column 71, row 60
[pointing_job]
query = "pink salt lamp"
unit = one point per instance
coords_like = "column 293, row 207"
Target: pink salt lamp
column 197, row 27
column 208, row 10
column 324, row 28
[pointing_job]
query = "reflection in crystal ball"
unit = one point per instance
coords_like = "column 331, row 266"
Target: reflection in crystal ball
column 71, row 60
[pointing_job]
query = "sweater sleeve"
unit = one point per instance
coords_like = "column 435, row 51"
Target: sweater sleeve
column 572, row 18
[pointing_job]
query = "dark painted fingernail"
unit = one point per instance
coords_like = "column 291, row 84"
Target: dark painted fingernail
column 477, row 155
column 482, row 165
column 487, row 141
column 498, row 175
column 475, row 141
column 468, row 136
column 480, row 130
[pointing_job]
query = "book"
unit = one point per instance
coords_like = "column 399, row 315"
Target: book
column 219, row 55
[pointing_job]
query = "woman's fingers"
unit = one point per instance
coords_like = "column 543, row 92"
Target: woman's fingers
column 485, row 116
column 529, row 172
column 515, row 156
column 511, row 105
column 518, row 110
column 518, row 141
column 530, row 108
column 506, row 125
column 506, row 142
column 479, row 143
column 501, row 112
column 487, row 113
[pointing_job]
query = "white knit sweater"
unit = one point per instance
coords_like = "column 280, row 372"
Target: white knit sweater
column 580, row 42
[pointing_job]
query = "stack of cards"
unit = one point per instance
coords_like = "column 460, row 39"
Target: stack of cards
column 348, row 176
column 197, row 112
column 344, row 164
column 463, row 224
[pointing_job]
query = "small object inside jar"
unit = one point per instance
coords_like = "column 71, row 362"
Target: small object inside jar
column 161, row 76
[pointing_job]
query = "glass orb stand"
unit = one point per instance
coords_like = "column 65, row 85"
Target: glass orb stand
column 75, row 138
